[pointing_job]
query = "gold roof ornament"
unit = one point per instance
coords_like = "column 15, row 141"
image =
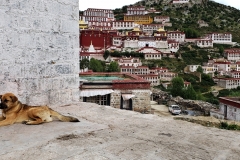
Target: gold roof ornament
column 161, row 29
column 82, row 24
column 136, row 29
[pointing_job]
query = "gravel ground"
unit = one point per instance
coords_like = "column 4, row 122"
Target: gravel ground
column 108, row 133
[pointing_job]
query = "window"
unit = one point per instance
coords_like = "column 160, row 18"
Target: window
column 101, row 100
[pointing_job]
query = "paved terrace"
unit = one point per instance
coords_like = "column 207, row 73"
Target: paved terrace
column 108, row 133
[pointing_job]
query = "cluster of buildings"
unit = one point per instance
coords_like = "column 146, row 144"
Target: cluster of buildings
column 226, row 72
column 139, row 32
column 133, row 65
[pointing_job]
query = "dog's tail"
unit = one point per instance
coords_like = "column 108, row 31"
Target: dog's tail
column 62, row 117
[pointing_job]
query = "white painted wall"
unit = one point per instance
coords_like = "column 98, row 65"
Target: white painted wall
column 39, row 50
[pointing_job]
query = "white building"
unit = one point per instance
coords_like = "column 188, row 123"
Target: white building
column 158, row 70
column 94, row 14
column 176, row 35
column 153, row 78
column 161, row 19
column 173, row 45
column 180, row 1
column 234, row 74
column 208, row 69
column 204, row 43
column 232, row 54
column 167, row 76
column 146, row 41
column 193, row 68
column 223, row 66
column 227, row 83
column 140, row 70
column 117, row 41
column 136, row 10
column 150, row 53
column 221, row 38
column 99, row 23
column 126, row 61
column 123, row 25
column 131, row 42
column 149, row 28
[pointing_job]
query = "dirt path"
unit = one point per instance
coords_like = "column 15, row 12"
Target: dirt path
column 160, row 110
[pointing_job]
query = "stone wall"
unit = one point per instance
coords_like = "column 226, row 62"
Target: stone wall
column 141, row 101
column 39, row 50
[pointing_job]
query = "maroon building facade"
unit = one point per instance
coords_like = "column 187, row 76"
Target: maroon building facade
column 99, row 39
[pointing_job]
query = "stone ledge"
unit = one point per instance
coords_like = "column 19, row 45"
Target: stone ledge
column 205, row 121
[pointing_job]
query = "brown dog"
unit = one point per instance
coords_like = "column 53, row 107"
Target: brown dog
column 13, row 111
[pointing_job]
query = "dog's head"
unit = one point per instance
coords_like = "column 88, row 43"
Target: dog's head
column 8, row 100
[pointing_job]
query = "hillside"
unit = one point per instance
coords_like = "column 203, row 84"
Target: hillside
column 219, row 17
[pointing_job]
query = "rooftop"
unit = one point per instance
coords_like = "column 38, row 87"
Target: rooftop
column 108, row 133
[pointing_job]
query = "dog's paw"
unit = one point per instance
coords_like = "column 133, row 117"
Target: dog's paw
column 25, row 122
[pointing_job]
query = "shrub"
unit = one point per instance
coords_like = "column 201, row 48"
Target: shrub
column 225, row 125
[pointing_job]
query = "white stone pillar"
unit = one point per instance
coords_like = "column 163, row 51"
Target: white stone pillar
column 39, row 50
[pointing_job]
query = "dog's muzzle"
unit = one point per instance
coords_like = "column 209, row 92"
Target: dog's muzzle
column 3, row 106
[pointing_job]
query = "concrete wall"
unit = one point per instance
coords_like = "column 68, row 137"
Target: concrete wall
column 39, row 50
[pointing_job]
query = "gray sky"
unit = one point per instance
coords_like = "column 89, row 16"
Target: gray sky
column 112, row 4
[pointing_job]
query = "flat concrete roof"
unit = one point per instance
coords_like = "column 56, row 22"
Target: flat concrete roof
column 108, row 133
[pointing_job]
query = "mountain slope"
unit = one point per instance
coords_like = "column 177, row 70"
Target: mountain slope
column 219, row 17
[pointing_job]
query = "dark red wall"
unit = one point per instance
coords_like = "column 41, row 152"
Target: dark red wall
column 97, row 38
column 141, row 85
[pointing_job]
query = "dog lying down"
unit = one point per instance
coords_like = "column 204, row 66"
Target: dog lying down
column 13, row 111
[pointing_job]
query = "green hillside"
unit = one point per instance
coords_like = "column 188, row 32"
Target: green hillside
column 219, row 17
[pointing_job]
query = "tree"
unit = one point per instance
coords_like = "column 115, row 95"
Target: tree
column 177, row 55
column 215, row 73
column 191, row 33
column 177, row 86
column 96, row 65
column 207, row 80
column 124, row 9
column 221, row 50
column 200, row 69
column 106, row 54
column 113, row 67
column 189, row 93
column 84, row 63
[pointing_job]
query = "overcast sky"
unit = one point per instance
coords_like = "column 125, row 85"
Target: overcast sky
column 112, row 4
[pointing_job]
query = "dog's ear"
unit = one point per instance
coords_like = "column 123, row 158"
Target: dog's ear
column 0, row 96
column 14, row 98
